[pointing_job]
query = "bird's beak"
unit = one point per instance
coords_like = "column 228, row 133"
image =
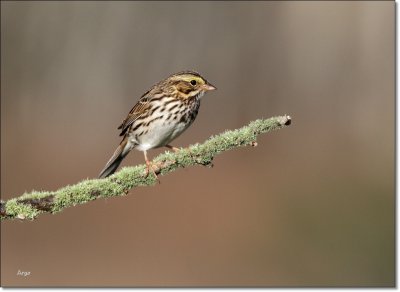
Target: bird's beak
column 209, row 87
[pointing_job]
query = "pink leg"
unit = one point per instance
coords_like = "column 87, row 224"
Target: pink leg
column 149, row 166
column 175, row 149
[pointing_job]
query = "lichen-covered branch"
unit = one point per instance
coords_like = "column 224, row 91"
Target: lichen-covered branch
column 29, row 206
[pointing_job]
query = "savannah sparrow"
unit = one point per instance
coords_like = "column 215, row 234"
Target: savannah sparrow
column 160, row 116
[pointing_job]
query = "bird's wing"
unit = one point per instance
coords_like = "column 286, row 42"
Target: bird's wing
column 138, row 110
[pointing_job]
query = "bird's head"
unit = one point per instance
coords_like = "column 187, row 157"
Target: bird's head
column 188, row 85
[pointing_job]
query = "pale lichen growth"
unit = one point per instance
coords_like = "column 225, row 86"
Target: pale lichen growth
column 29, row 206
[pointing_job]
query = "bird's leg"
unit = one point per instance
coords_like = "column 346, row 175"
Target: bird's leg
column 149, row 166
column 175, row 149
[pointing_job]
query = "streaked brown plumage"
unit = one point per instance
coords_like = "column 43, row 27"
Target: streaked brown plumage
column 161, row 115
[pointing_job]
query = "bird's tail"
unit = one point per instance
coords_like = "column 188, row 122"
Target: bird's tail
column 119, row 154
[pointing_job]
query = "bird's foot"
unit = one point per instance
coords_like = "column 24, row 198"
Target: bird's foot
column 149, row 166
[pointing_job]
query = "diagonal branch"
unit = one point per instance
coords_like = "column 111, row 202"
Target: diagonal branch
column 29, row 206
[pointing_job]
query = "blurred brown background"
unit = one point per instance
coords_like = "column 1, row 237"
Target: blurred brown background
column 312, row 205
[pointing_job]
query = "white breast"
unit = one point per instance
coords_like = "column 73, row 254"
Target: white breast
column 161, row 135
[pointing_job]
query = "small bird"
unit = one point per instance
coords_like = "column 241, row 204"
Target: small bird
column 161, row 115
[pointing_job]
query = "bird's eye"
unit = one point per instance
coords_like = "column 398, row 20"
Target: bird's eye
column 193, row 82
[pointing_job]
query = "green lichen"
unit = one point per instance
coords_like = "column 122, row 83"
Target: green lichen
column 28, row 206
column 20, row 210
